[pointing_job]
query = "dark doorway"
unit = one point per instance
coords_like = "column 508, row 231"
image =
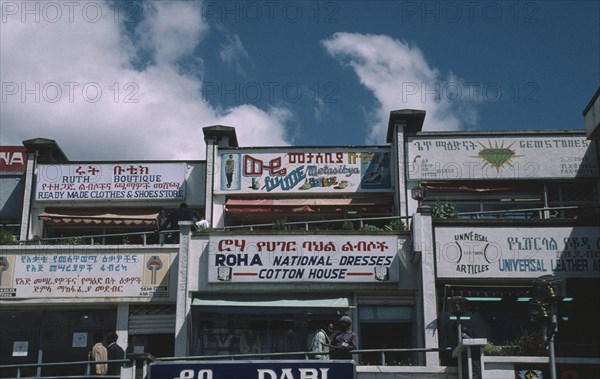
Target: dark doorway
column 388, row 335
column 159, row 345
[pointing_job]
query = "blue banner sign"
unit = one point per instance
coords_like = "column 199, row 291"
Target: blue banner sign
column 289, row 369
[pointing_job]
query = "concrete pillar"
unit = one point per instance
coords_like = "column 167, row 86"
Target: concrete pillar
column 183, row 299
column 123, row 325
column 29, row 182
column 216, row 136
column 423, row 252
column 400, row 178
column 211, row 149
column 402, row 124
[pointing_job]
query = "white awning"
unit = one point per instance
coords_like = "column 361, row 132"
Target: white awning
column 381, row 203
column 135, row 217
column 254, row 302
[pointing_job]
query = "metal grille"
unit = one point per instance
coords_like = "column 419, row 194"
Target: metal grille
column 151, row 310
column 151, row 319
column 578, row 192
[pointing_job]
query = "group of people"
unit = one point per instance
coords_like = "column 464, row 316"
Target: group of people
column 112, row 351
column 335, row 344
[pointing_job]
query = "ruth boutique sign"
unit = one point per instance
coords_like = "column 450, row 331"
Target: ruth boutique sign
column 269, row 258
column 121, row 181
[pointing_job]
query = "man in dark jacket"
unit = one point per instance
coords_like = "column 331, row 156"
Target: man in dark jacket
column 183, row 213
column 344, row 341
column 114, row 352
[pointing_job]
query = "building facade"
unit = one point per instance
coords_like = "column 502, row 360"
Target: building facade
column 300, row 236
column 13, row 162
column 92, row 258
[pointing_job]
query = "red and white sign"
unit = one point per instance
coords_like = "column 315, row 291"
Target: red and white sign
column 269, row 258
column 13, row 158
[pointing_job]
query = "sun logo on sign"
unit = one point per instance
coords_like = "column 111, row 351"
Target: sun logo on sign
column 497, row 156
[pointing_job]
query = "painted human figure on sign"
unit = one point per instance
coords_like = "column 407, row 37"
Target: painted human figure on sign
column 229, row 168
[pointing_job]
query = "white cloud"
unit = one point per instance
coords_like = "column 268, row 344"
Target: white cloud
column 171, row 29
column 233, row 53
column 73, row 80
column 256, row 127
column 400, row 78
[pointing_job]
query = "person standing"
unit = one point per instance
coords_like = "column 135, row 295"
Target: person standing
column 99, row 353
column 115, row 352
column 321, row 342
column 345, row 341
column 183, row 213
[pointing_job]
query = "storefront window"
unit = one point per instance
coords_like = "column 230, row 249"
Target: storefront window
column 56, row 335
column 257, row 330
column 502, row 316
column 252, row 331
column 386, row 327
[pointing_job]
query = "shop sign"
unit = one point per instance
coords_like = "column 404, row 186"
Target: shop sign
column 101, row 182
column 13, row 158
column 20, row 348
column 494, row 158
column 291, row 369
column 80, row 339
column 480, row 252
column 269, row 258
column 305, row 171
column 530, row 374
column 563, row 371
column 84, row 275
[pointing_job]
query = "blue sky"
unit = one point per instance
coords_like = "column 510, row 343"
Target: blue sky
column 138, row 80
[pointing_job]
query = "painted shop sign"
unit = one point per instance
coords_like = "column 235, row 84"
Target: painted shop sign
column 13, row 158
column 517, row 252
column 501, row 158
column 305, row 171
column 85, row 275
column 121, row 181
column 268, row 258
column 268, row 369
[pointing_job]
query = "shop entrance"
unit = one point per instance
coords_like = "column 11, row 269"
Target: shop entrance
column 386, row 335
column 159, row 345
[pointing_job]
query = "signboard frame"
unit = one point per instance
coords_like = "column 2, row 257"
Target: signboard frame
column 86, row 275
column 304, row 258
column 304, row 171
column 500, row 157
column 259, row 369
column 481, row 252
column 92, row 181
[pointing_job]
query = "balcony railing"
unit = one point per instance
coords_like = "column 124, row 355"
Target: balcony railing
column 359, row 224
column 160, row 237
column 544, row 213
column 138, row 363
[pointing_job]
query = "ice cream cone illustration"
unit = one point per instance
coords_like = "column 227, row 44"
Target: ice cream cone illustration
column 154, row 264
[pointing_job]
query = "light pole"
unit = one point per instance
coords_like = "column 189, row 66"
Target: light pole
column 548, row 290
column 418, row 193
column 459, row 306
